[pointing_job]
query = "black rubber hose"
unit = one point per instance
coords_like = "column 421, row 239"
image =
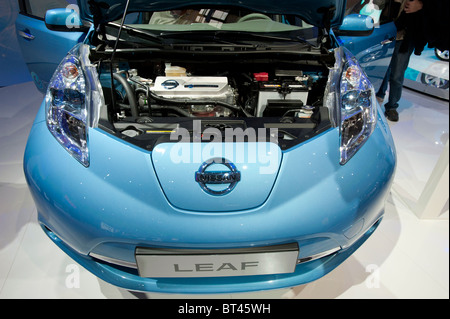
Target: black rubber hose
column 130, row 94
column 174, row 109
column 194, row 102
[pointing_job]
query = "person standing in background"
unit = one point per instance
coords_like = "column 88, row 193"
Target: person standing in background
column 408, row 29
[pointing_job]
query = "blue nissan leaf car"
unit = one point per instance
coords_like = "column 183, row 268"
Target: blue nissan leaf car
column 208, row 146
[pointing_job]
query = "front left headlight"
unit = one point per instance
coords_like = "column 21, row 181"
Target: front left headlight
column 358, row 108
column 71, row 97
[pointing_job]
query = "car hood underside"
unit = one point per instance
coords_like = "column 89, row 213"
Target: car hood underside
column 321, row 13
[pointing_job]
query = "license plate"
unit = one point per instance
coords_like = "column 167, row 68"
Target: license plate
column 175, row 263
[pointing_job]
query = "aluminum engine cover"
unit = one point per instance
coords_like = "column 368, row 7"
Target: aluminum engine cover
column 198, row 88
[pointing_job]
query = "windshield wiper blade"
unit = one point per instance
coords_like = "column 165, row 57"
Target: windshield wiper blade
column 253, row 35
column 222, row 34
column 197, row 35
column 231, row 36
column 143, row 34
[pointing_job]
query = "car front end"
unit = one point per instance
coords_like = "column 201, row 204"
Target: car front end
column 263, row 162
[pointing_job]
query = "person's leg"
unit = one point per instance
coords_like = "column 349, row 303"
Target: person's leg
column 399, row 64
column 384, row 86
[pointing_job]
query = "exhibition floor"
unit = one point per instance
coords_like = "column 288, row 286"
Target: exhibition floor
column 406, row 257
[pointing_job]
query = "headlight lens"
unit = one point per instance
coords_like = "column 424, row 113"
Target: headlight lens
column 67, row 106
column 358, row 108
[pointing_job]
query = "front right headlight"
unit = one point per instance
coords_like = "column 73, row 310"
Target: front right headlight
column 72, row 99
column 358, row 108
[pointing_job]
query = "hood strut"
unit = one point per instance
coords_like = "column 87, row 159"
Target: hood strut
column 95, row 9
column 328, row 14
column 113, row 100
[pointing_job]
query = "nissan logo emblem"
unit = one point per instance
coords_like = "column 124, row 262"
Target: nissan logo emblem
column 228, row 175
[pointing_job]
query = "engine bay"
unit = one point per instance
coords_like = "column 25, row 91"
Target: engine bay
column 149, row 98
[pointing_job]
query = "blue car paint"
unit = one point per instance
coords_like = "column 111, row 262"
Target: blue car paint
column 44, row 49
column 117, row 204
column 182, row 191
column 62, row 17
column 356, row 22
column 373, row 52
column 127, row 279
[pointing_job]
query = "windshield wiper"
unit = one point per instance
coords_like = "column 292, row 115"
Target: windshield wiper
column 233, row 35
column 252, row 36
column 266, row 37
column 229, row 38
column 137, row 32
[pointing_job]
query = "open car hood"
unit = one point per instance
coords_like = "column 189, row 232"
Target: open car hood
column 321, row 13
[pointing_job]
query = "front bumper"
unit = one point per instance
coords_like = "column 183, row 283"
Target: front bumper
column 128, row 278
column 99, row 215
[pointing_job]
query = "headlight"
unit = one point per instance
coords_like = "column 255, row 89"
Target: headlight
column 71, row 94
column 357, row 108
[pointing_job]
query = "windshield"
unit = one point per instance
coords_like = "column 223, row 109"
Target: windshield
column 228, row 21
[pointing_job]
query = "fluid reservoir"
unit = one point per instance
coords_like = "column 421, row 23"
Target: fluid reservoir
column 172, row 71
